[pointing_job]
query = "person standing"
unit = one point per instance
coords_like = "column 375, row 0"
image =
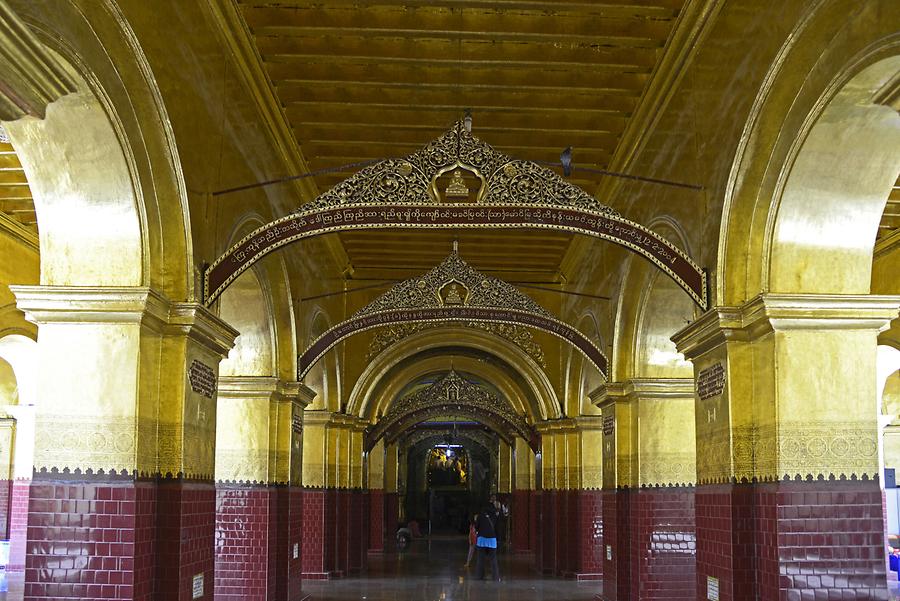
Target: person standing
column 473, row 539
column 486, row 541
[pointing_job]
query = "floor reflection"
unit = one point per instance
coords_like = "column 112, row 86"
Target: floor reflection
column 435, row 572
column 429, row 572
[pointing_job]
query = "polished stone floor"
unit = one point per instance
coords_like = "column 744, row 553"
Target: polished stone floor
column 434, row 572
column 430, row 571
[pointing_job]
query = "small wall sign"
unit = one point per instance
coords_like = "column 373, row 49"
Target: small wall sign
column 712, row 588
column 202, row 379
column 608, row 552
column 609, row 424
column 296, row 550
column 198, row 586
column 711, row 381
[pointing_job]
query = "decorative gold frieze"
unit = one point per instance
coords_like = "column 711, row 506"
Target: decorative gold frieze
column 521, row 337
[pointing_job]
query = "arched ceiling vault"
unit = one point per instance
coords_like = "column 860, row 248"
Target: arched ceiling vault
column 539, row 397
column 455, row 395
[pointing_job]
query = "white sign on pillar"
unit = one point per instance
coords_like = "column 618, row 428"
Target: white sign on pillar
column 198, row 586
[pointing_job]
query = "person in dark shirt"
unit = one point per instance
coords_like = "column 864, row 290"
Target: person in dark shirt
column 486, row 542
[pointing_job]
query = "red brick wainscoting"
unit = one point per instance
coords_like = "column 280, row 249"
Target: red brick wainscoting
column 295, row 528
column 792, row 540
column 341, row 531
column 376, row 521
column 549, row 512
column 5, row 507
column 520, row 521
column 391, row 518
column 616, row 555
column 586, row 528
column 355, row 534
column 725, row 541
column 185, row 535
column 247, row 528
column 18, row 525
column 319, row 513
column 663, row 544
column 91, row 540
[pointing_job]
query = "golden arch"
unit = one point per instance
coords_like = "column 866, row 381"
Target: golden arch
column 399, row 193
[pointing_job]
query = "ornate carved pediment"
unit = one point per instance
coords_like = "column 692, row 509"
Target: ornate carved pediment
column 453, row 283
column 452, row 395
column 414, row 179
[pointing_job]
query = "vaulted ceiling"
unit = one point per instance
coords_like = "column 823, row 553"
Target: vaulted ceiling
column 370, row 79
column 16, row 202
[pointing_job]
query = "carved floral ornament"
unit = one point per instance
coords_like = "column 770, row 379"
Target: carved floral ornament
column 521, row 337
column 404, row 193
column 454, row 292
column 451, row 395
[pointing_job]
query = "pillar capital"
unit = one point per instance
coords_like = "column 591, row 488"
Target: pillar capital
column 648, row 432
column 770, row 312
column 258, row 425
column 121, row 421
column 813, row 415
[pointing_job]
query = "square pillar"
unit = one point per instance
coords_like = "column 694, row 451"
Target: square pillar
column 130, row 450
column 649, row 452
column 375, row 467
column 787, row 446
column 259, row 424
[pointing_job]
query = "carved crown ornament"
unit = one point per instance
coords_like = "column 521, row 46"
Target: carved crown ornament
column 451, row 292
column 455, row 181
column 451, row 395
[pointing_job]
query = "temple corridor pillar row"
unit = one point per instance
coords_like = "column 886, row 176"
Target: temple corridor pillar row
column 565, row 506
column 128, row 452
column 259, row 501
column 649, row 468
column 336, row 510
column 788, row 500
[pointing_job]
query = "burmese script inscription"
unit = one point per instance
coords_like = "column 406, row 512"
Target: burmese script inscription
column 711, row 381
column 449, row 313
column 202, row 379
column 304, row 225
column 609, row 425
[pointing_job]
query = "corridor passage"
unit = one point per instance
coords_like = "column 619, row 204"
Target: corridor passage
column 435, row 572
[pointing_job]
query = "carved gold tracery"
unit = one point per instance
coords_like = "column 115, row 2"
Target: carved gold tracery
column 453, row 291
column 518, row 335
column 452, row 396
column 403, row 193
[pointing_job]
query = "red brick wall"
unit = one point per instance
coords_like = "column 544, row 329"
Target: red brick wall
column 354, row 538
column 90, row 540
column 549, row 514
column 616, row 569
column 18, row 525
column 588, row 524
column 391, row 515
column 533, row 513
column 663, row 539
column 296, row 535
column 341, row 531
column 318, row 534
column 246, row 543
column 791, row 540
column 376, row 521
column 185, row 531
column 520, row 518
column 564, row 541
column 5, row 506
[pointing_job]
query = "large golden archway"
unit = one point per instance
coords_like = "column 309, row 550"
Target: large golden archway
column 403, row 193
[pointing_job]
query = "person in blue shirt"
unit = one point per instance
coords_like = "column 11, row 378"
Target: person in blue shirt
column 486, row 542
